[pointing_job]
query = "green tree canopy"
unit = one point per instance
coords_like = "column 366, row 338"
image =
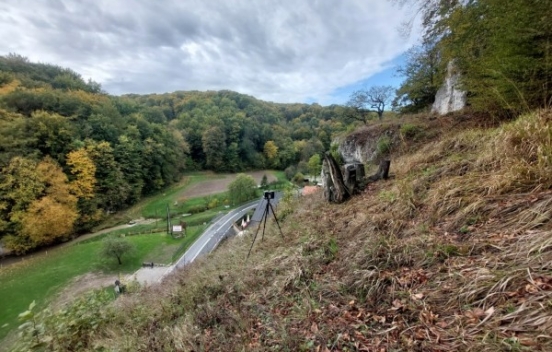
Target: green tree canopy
column 116, row 247
column 242, row 189
column 315, row 165
column 501, row 49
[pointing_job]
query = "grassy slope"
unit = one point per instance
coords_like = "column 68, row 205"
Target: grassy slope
column 452, row 254
column 39, row 278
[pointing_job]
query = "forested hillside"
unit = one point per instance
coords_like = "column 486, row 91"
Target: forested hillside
column 502, row 50
column 70, row 153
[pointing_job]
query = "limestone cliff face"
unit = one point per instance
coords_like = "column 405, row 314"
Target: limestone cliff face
column 365, row 146
column 449, row 98
column 355, row 150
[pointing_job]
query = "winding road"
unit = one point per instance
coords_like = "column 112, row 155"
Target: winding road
column 214, row 234
column 207, row 242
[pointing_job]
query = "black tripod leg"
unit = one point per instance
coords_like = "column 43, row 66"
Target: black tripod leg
column 275, row 218
column 265, row 216
column 257, row 232
column 254, row 238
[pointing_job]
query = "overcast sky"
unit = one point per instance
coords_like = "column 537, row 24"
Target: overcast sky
column 275, row 50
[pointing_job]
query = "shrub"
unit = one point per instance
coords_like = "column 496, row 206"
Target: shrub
column 290, row 171
column 213, row 203
column 197, row 209
column 298, row 178
column 410, row 131
column 383, row 146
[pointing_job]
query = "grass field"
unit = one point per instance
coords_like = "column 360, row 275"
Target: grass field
column 40, row 278
column 195, row 189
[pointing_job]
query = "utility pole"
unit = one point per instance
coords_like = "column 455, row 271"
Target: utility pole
column 168, row 219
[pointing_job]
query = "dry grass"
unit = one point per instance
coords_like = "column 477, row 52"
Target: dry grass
column 452, row 254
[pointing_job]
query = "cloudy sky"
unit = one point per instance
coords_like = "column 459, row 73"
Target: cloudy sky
column 276, row 50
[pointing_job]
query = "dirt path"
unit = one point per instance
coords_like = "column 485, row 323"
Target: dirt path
column 79, row 285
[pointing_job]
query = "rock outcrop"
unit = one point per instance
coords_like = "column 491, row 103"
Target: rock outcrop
column 368, row 145
column 449, row 98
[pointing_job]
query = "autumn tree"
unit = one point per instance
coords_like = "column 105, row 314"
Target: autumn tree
column 242, row 188
column 111, row 187
column 271, row 153
column 51, row 218
column 84, row 170
column 20, row 185
column 43, row 209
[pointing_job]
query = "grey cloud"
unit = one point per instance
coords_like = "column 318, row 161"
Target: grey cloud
column 286, row 51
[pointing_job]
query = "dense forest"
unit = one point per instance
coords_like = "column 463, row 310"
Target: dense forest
column 71, row 153
column 502, row 49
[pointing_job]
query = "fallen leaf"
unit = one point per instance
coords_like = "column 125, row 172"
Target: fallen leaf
column 314, row 328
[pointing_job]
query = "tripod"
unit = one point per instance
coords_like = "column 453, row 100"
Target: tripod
column 268, row 208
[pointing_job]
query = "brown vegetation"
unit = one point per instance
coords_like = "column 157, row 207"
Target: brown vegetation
column 454, row 253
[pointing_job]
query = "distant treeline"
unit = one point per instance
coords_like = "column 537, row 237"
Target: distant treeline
column 70, row 153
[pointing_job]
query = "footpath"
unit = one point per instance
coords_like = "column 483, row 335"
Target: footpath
column 149, row 276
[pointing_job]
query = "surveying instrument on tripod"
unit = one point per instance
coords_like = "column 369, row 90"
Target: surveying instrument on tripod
column 268, row 195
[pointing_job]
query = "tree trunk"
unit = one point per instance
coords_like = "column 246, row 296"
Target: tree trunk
column 337, row 191
column 339, row 187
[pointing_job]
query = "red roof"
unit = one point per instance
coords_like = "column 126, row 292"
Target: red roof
column 310, row 190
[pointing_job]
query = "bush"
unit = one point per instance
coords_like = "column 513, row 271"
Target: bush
column 264, row 181
column 384, row 145
column 410, row 131
column 298, row 178
column 197, row 209
column 213, row 203
column 72, row 328
column 290, row 171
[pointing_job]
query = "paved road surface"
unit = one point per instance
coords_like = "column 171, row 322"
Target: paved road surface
column 209, row 240
column 214, row 234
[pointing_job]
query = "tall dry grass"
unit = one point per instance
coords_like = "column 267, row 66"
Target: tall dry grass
column 452, row 254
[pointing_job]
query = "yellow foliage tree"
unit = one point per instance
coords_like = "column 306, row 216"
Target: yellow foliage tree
column 50, row 214
column 48, row 220
column 84, row 170
column 270, row 150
